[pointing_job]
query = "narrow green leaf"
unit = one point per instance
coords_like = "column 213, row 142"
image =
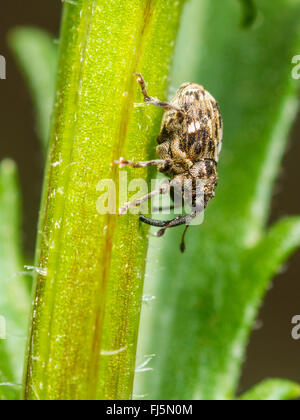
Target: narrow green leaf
column 276, row 246
column 14, row 299
column 91, row 266
column 36, row 53
column 207, row 299
column 273, row 390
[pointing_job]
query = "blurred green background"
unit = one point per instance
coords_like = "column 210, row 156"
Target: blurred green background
column 271, row 342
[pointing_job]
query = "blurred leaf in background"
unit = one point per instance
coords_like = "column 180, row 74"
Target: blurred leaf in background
column 36, row 53
column 273, row 390
column 208, row 298
column 14, row 297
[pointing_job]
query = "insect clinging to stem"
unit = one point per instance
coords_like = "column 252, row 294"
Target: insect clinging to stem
column 189, row 145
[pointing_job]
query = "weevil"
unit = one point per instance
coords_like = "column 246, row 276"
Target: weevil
column 189, row 146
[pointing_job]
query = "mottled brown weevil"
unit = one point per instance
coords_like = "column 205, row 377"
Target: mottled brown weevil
column 189, row 146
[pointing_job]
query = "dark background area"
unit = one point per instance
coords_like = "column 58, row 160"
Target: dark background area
column 272, row 352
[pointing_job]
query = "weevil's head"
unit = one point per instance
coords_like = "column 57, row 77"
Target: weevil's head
column 188, row 94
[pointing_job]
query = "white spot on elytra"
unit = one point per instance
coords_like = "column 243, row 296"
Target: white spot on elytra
column 192, row 128
column 198, row 125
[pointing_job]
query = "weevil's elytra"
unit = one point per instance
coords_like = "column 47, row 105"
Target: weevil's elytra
column 189, row 145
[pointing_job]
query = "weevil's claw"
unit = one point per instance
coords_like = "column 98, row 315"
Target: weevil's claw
column 122, row 211
column 121, row 162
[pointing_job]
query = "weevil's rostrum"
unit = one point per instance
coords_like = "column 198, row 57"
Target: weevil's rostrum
column 189, row 146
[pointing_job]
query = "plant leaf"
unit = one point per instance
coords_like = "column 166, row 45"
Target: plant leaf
column 272, row 390
column 14, row 299
column 36, row 53
column 207, row 300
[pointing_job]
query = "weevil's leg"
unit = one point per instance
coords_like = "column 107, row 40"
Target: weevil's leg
column 164, row 188
column 123, row 162
column 152, row 222
column 178, row 221
column 164, row 224
column 154, row 101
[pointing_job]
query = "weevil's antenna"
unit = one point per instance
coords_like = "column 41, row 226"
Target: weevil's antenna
column 182, row 243
column 154, row 101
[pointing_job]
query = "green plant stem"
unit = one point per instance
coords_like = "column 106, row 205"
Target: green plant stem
column 91, row 266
